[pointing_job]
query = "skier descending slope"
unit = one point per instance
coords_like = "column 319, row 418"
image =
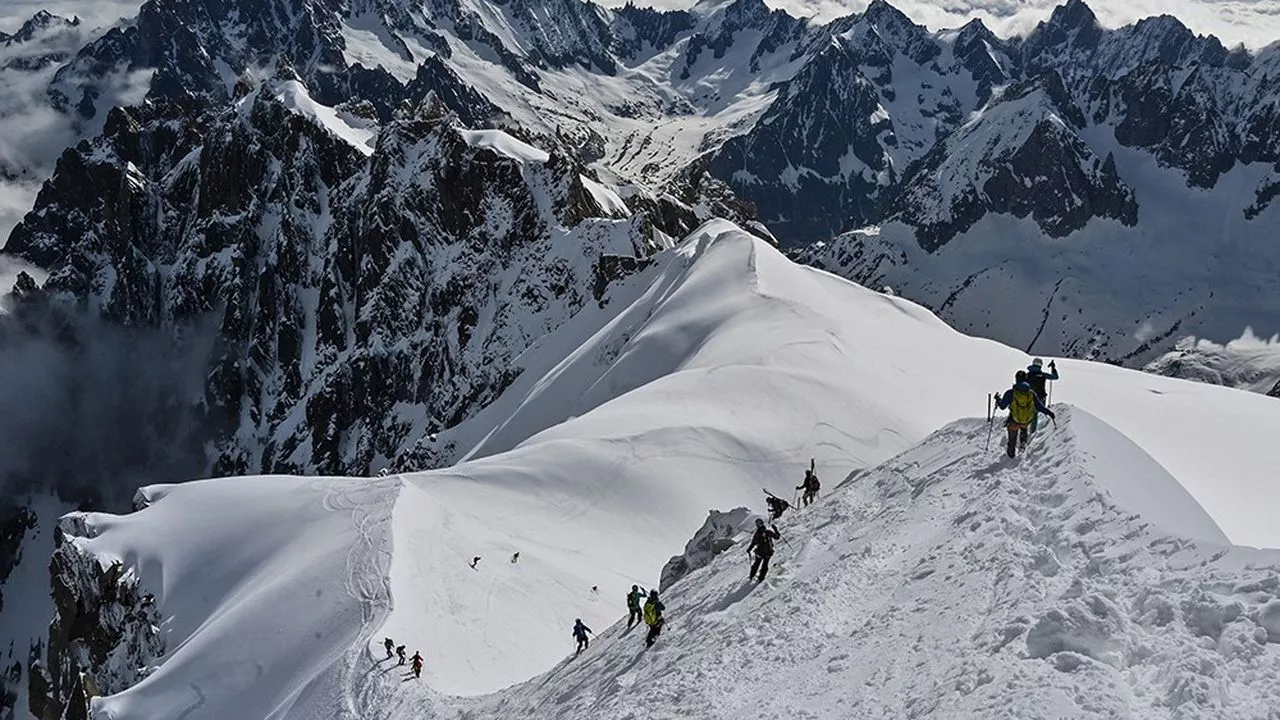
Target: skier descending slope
column 762, row 544
column 580, row 634
column 1023, row 405
column 653, row 608
column 1037, row 378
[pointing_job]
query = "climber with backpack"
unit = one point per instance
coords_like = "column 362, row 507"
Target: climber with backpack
column 810, row 485
column 777, row 505
column 417, row 664
column 1023, row 404
column 634, row 597
column 1037, row 378
column 580, row 634
column 762, row 545
column 653, row 608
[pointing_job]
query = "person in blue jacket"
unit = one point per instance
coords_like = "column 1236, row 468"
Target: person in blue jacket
column 1023, row 405
column 1038, row 378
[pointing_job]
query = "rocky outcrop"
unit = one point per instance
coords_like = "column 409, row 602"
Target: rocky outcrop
column 719, row 533
column 105, row 636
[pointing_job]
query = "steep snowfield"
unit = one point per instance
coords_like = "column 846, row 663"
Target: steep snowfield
column 719, row 370
column 948, row 583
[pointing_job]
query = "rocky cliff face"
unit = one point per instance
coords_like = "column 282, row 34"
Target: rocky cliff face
column 106, row 633
column 364, row 291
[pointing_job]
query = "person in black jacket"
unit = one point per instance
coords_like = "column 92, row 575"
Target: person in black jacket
column 762, row 544
column 1038, row 379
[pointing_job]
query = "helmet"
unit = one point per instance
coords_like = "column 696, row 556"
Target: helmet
column 1037, row 362
column 577, row 620
column 759, row 522
column 1020, row 376
column 635, row 587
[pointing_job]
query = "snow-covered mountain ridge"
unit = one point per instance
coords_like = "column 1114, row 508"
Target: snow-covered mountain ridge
column 1089, row 578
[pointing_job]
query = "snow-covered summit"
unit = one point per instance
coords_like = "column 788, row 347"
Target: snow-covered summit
column 720, row 369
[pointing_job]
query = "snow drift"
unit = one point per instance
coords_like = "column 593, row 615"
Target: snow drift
column 721, row 369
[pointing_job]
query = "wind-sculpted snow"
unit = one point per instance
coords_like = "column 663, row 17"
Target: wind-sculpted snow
column 1062, row 584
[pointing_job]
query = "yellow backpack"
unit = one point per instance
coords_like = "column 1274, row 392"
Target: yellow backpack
column 650, row 613
column 1022, row 408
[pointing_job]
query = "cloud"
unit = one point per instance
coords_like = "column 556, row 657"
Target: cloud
column 1256, row 23
column 96, row 418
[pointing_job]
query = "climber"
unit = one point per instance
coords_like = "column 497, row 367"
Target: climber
column 1023, row 405
column 633, row 605
column 762, row 544
column 417, row 664
column 777, row 505
column 810, row 485
column 1037, row 379
column 400, row 654
column 653, row 608
column 580, row 634
column 388, row 645
column 474, row 560
column 515, row 558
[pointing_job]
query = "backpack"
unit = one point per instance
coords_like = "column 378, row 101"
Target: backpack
column 1022, row 407
column 652, row 615
column 763, row 542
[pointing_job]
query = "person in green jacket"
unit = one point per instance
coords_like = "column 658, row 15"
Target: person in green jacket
column 634, row 615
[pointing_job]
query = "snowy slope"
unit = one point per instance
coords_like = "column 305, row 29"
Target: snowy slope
column 721, row 369
column 946, row 584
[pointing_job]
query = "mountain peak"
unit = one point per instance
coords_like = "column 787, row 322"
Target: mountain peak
column 1075, row 14
column 42, row 20
column 881, row 12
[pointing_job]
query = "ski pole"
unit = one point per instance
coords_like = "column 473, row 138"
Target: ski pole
column 990, row 424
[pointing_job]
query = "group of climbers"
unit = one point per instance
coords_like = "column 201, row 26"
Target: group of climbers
column 1025, row 401
column 415, row 663
column 761, row 547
